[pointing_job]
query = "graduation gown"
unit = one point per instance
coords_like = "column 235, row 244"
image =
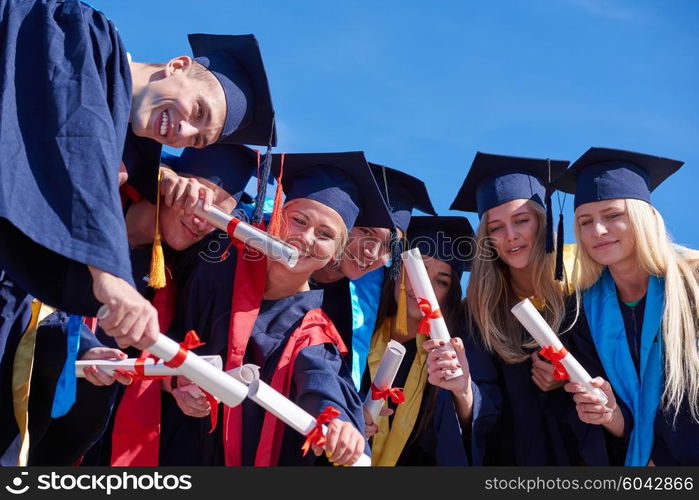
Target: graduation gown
column 65, row 104
column 337, row 304
column 320, row 378
column 515, row 423
column 675, row 443
column 16, row 312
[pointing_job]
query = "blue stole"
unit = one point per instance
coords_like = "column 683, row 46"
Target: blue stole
column 365, row 294
column 609, row 335
column 66, row 387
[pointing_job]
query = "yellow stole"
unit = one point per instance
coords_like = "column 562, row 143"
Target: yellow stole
column 389, row 441
column 22, row 375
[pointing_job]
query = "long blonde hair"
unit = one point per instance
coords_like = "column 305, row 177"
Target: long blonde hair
column 680, row 267
column 490, row 297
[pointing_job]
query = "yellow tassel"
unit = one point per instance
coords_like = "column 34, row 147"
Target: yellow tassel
column 156, row 277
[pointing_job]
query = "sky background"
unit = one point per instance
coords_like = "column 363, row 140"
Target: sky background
column 422, row 86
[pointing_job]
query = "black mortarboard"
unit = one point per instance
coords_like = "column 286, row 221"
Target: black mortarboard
column 404, row 193
column 449, row 239
column 341, row 181
column 236, row 62
column 605, row 174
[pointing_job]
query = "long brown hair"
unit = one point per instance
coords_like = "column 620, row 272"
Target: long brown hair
column 489, row 296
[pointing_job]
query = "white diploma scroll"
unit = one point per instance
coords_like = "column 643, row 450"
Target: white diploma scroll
column 213, row 380
column 540, row 330
column 281, row 407
column 422, row 288
column 272, row 247
column 386, row 373
column 150, row 367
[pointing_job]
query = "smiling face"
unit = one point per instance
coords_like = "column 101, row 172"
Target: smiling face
column 513, row 228
column 181, row 105
column 368, row 249
column 605, row 231
column 316, row 230
column 180, row 231
column 440, row 274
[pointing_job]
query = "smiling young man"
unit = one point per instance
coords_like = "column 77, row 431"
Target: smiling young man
column 68, row 96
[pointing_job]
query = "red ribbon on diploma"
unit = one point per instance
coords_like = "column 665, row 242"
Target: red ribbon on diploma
column 138, row 372
column 423, row 327
column 316, row 436
column 395, row 393
column 191, row 341
column 555, row 356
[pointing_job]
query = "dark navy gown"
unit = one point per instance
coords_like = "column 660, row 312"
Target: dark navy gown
column 65, row 98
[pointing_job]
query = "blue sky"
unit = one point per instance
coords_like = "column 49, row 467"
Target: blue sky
column 421, row 87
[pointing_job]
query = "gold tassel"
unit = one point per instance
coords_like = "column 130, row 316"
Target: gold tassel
column 156, row 277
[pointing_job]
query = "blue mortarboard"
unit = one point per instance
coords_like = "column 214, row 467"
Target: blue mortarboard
column 449, row 239
column 229, row 166
column 236, row 62
column 606, row 174
column 404, row 193
column 341, row 181
column 497, row 179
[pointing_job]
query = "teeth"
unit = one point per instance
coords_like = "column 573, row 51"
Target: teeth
column 514, row 249
column 163, row 124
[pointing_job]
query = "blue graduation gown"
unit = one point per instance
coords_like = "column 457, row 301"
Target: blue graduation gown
column 15, row 309
column 515, row 423
column 338, row 305
column 320, row 377
column 66, row 98
column 674, row 443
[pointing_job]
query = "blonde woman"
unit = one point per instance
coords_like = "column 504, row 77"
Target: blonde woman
column 638, row 314
column 521, row 416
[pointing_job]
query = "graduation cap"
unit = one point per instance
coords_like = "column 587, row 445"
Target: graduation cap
column 606, row 174
column 497, row 179
column 236, row 62
column 449, row 239
column 228, row 166
column 402, row 193
column 341, row 181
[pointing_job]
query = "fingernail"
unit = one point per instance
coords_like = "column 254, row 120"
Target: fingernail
column 458, row 366
column 453, row 356
column 441, row 343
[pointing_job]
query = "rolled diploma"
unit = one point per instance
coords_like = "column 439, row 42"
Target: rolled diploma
column 272, row 247
column 540, row 330
column 150, row 367
column 419, row 279
column 386, row 373
column 213, row 380
column 281, row 407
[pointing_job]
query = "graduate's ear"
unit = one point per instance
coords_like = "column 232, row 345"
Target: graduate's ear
column 178, row 64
